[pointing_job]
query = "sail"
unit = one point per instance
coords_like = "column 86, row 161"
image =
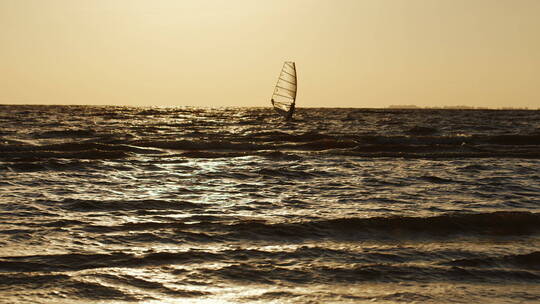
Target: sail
column 284, row 96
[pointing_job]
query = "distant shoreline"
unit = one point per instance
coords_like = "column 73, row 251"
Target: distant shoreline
column 457, row 108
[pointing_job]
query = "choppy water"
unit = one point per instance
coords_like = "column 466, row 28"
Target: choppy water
column 182, row 205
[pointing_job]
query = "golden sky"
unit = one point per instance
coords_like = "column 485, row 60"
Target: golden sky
column 349, row 53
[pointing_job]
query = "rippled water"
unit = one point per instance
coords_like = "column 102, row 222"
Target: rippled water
column 228, row 205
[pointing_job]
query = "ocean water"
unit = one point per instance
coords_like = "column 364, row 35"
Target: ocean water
column 233, row 205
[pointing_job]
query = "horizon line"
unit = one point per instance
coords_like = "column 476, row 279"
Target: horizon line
column 391, row 107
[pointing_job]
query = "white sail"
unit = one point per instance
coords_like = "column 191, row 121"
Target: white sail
column 284, row 96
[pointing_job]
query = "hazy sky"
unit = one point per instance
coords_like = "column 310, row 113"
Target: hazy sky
column 349, row 53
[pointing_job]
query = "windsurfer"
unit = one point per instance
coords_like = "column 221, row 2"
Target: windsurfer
column 290, row 113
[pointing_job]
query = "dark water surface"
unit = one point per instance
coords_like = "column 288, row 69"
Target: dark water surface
column 232, row 205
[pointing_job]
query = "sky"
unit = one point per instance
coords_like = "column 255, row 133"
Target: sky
column 348, row 53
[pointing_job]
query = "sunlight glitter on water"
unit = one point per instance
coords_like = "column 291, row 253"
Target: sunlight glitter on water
column 231, row 205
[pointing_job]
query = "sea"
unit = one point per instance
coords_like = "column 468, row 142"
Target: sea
column 110, row 204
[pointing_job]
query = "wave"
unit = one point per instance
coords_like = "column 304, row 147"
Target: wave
column 507, row 139
column 529, row 261
column 242, row 150
column 436, row 179
column 73, row 288
column 532, row 154
column 501, row 223
column 513, row 139
column 67, row 133
column 224, row 144
column 35, row 156
column 279, row 136
column 507, row 146
column 267, row 274
column 201, row 145
column 79, row 261
column 287, row 172
column 210, row 154
column 32, row 280
column 253, row 266
column 496, row 224
column 50, row 164
column 422, row 130
column 71, row 150
column 81, row 205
